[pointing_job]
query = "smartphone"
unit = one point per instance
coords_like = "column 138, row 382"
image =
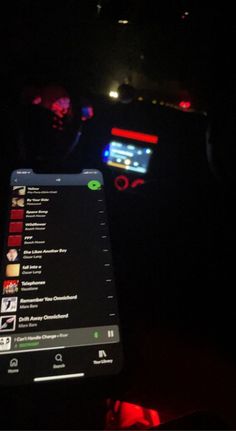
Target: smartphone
column 59, row 315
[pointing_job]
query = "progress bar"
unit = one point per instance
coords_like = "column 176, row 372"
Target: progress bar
column 64, row 376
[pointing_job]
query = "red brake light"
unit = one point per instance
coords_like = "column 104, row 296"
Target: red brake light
column 184, row 104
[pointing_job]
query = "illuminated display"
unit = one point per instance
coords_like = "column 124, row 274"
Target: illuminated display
column 128, row 157
column 56, row 313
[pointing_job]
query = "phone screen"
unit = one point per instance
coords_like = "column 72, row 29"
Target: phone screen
column 58, row 316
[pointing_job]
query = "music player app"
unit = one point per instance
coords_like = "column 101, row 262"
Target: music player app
column 57, row 288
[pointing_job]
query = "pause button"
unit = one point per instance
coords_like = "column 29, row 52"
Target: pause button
column 110, row 333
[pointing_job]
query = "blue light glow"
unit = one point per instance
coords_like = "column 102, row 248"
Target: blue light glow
column 106, row 153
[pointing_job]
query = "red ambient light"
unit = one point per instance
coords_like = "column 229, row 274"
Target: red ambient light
column 185, row 105
column 138, row 182
column 136, row 136
column 121, row 183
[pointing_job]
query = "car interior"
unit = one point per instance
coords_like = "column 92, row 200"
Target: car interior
column 142, row 93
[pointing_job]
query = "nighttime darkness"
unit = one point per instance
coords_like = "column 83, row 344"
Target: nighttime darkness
column 164, row 49
column 117, row 197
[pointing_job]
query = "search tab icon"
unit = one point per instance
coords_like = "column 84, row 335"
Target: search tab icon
column 58, row 357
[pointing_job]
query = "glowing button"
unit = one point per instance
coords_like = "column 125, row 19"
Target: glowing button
column 96, row 334
column 127, row 162
column 94, row 185
column 137, row 183
column 148, row 151
column 121, row 183
column 136, row 163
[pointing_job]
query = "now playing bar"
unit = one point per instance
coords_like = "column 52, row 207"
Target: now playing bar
column 64, row 338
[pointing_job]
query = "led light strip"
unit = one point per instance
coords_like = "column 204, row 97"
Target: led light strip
column 136, row 136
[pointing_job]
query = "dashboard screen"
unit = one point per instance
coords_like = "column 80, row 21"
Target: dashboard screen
column 58, row 308
column 128, row 156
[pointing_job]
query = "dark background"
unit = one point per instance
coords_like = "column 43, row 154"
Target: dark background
column 158, row 52
column 181, row 299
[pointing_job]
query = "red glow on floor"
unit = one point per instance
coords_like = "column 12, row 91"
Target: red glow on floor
column 123, row 415
column 136, row 136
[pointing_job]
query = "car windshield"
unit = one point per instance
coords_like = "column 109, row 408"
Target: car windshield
column 164, row 49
